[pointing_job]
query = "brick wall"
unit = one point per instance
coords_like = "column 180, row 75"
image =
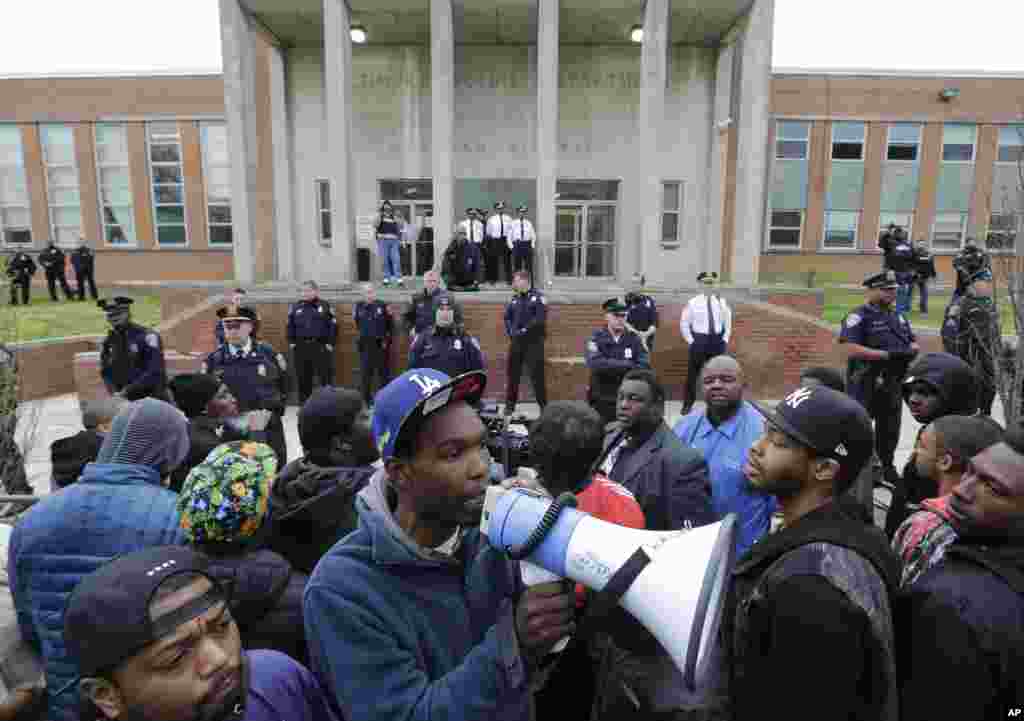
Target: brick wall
column 47, row 367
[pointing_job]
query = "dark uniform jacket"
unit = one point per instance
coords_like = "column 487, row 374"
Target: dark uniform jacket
column 83, row 260
column 962, row 633
column 526, row 315
column 21, row 267
column 872, row 327
column 52, row 260
column 312, row 320
column 373, row 321
column 132, row 362
column 419, row 314
column 609, row 360
column 641, row 311
column 814, row 602
column 257, row 377
column 453, row 352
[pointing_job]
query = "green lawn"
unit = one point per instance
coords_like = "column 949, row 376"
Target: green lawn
column 840, row 301
column 45, row 319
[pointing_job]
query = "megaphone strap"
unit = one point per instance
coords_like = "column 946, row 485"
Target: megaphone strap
column 608, row 597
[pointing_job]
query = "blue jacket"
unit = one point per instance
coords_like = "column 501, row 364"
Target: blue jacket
column 399, row 633
column 114, row 508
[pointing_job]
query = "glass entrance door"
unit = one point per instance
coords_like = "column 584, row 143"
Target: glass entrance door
column 412, row 200
column 568, row 240
column 585, row 240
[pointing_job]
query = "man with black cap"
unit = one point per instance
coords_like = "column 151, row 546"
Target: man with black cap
column 312, row 333
column 255, row 374
column 522, row 240
column 447, row 346
column 118, row 505
column 53, row 259
column 880, row 345
column 813, row 601
column 20, row 269
column 376, row 327
column 132, row 356
column 152, row 636
column 414, row 615
column 525, row 324
column 497, row 229
column 610, row 354
column 706, row 326
column 234, row 302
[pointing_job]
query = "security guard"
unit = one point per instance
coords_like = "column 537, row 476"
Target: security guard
column 497, row 229
column 132, row 356
column 20, row 269
column 612, row 352
column 312, row 333
column 970, row 330
column 376, row 327
column 525, row 323
column 419, row 314
column 521, row 242
column 52, row 259
column 881, row 345
column 446, row 347
column 706, row 326
column 83, row 260
column 256, row 376
column 474, row 228
column 642, row 317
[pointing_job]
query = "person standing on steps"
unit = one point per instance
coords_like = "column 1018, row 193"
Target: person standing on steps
column 706, row 325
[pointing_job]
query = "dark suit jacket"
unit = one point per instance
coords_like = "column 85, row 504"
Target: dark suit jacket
column 670, row 481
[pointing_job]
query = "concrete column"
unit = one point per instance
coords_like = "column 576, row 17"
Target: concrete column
column 654, row 70
column 238, row 51
column 280, row 138
column 442, row 102
column 547, row 137
column 718, row 160
column 752, row 142
column 338, row 140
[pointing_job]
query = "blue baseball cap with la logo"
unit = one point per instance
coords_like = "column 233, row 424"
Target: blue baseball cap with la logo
column 416, row 394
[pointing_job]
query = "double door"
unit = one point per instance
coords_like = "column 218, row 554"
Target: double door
column 585, row 240
column 418, row 239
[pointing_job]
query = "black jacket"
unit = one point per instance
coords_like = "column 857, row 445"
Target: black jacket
column 68, row 456
column 806, row 631
column 962, row 635
column 266, row 600
column 311, row 508
column 669, row 480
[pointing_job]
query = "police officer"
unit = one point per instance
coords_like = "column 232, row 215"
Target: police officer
column 52, row 260
column 376, row 327
column 706, row 326
column 132, row 356
column 900, row 259
column 642, row 317
column 234, row 302
column 612, row 352
column 20, row 270
column 460, row 266
column 255, row 374
column 419, row 314
column 447, row 347
column 880, row 345
column 521, row 242
column 474, row 228
column 525, row 323
column 970, row 330
column 312, row 333
column 497, row 228
column 83, row 260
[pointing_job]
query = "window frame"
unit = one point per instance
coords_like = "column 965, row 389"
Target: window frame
column 164, row 139
column 863, row 141
column 318, row 183
column 27, row 205
column 1020, row 144
column 210, row 225
column 917, row 144
column 778, row 248
column 51, row 206
column 825, row 228
column 974, row 144
column 130, row 242
column 964, row 219
column 781, row 138
column 678, row 212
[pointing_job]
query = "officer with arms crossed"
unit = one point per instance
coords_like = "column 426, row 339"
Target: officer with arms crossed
column 312, row 333
column 880, row 345
column 255, row 374
column 642, row 317
column 132, row 357
column 525, row 323
column 610, row 354
column 376, row 328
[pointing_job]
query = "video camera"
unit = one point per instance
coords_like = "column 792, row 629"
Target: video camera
column 508, row 439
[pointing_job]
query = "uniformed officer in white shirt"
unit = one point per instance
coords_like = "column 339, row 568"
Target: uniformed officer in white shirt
column 497, row 231
column 521, row 241
column 706, row 325
column 474, row 230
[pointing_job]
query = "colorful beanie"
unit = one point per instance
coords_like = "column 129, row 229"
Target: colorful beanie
column 224, row 499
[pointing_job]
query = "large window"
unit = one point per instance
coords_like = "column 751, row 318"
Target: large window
column 115, row 184
column 904, row 141
column 1002, row 231
column 791, row 139
column 904, row 220
column 784, row 229
column 958, row 143
column 168, row 183
column 15, row 212
column 58, row 143
column 948, row 231
column 217, row 174
column 323, row 211
column 847, row 141
column 841, row 229
column 671, row 212
column 1011, row 144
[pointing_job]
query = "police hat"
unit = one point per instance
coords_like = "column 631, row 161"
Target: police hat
column 521, row 209
column 470, row 211
column 614, row 305
column 885, row 279
column 708, row 276
column 116, row 303
column 242, row 313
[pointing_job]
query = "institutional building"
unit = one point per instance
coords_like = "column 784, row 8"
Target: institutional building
column 656, row 158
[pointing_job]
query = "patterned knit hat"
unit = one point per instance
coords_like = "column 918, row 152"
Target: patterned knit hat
column 224, row 499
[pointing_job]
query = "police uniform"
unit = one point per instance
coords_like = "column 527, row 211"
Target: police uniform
column 257, row 377
column 521, row 242
column 132, row 357
column 461, row 264
column 449, row 350
column 474, row 229
column 419, row 314
column 609, row 359
column 497, row 229
column 83, row 260
column 525, row 324
column 970, row 331
column 376, row 327
column 641, row 315
column 312, row 333
column 706, row 326
column 878, row 384
column 52, row 260
column 20, row 270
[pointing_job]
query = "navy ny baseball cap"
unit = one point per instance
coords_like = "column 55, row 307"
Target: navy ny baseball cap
column 416, row 394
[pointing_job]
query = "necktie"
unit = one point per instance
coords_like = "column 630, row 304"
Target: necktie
column 501, row 219
column 613, row 456
column 711, row 316
column 522, row 232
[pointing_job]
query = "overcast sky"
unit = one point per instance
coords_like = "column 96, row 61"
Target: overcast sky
column 76, row 36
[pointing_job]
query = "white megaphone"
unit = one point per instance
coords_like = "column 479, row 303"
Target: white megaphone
column 675, row 581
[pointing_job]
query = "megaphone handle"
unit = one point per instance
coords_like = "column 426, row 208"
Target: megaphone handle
column 608, row 597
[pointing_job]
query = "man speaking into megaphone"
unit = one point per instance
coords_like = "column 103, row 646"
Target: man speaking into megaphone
column 414, row 615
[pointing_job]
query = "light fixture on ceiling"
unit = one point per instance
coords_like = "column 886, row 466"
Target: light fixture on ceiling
column 948, row 94
column 358, row 34
column 636, row 33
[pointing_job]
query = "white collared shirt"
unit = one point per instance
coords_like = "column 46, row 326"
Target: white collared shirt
column 522, row 232
column 694, row 318
column 240, row 351
column 473, row 229
column 496, row 223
